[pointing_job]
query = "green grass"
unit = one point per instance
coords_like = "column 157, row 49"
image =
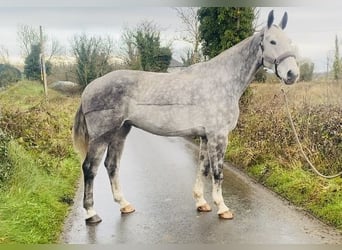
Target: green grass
column 24, row 94
column 309, row 192
column 37, row 196
column 32, row 209
column 322, row 198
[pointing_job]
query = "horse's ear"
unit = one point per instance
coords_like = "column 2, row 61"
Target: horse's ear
column 270, row 19
column 283, row 21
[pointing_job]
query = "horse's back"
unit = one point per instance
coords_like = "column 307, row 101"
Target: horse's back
column 105, row 92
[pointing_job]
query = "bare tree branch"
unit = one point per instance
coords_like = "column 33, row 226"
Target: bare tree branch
column 4, row 55
column 27, row 36
column 55, row 48
column 257, row 26
column 129, row 50
column 93, row 56
column 191, row 32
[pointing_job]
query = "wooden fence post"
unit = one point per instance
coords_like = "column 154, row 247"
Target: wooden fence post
column 42, row 61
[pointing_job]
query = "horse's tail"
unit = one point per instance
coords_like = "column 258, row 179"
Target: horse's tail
column 80, row 134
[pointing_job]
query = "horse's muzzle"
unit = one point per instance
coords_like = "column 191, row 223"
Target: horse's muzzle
column 291, row 77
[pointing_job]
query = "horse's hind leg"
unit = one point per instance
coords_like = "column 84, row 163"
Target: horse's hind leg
column 89, row 167
column 203, row 171
column 112, row 164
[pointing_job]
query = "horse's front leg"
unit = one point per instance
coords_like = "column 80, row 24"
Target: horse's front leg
column 203, row 171
column 217, row 145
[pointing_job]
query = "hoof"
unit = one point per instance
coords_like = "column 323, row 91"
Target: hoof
column 93, row 220
column 127, row 209
column 204, row 208
column 226, row 215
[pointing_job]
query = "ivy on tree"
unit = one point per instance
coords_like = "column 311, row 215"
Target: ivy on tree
column 223, row 27
column 32, row 68
column 142, row 48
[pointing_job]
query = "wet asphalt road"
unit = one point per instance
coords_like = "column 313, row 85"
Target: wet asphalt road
column 157, row 175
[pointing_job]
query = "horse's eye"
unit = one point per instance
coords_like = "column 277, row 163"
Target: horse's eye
column 273, row 42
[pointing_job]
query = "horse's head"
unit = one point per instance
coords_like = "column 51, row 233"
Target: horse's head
column 278, row 54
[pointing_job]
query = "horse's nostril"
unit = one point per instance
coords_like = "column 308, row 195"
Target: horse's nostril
column 291, row 75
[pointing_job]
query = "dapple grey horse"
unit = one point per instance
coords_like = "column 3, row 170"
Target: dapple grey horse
column 201, row 100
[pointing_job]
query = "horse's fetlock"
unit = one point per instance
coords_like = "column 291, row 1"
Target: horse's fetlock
column 197, row 194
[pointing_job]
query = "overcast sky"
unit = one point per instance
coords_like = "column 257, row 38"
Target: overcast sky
column 311, row 28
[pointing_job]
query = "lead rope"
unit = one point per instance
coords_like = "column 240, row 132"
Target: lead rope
column 200, row 149
column 300, row 145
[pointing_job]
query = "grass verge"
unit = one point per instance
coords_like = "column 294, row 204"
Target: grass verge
column 44, row 169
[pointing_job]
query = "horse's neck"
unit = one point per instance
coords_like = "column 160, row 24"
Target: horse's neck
column 242, row 62
column 251, row 62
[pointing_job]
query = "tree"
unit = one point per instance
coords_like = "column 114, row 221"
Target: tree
column 188, row 59
column 337, row 61
column 222, row 27
column 92, row 57
column 142, row 49
column 28, row 36
column 32, row 68
column 191, row 33
column 152, row 56
column 55, row 48
column 130, row 53
column 306, row 69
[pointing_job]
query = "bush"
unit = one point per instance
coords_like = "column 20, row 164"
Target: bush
column 306, row 71
column 263, row 145
column 43, row 128
column 266, row 132
column 5, row 166
column 8, row 74
column 39, row 181
column 45, row 139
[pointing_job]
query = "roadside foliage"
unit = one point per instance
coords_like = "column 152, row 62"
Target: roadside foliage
column 264, row 145
column 40, row 171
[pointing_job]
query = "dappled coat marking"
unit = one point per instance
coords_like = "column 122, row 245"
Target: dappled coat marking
column 202, row 100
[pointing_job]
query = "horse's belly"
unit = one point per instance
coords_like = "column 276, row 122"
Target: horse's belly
column 168, row 120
